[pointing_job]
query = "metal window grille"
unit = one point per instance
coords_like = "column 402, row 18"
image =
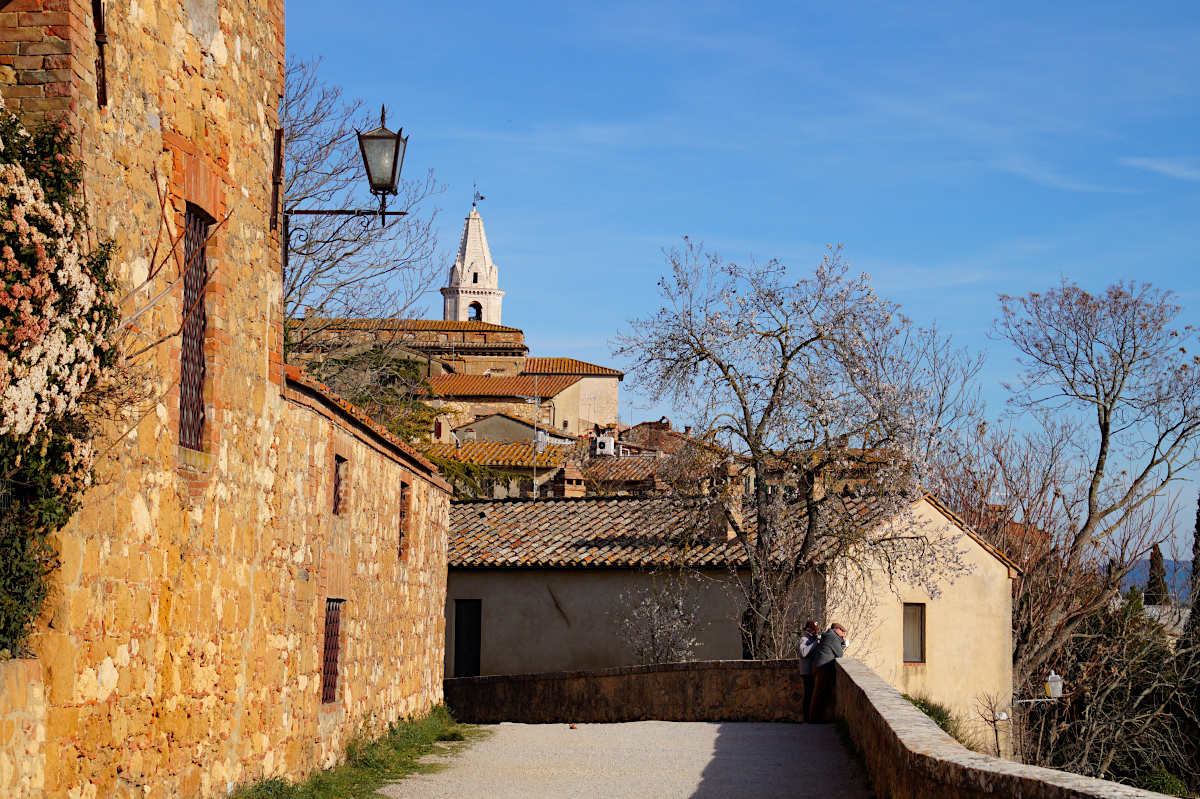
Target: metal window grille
column 339, row 483
column 195, row 330
column 101, row 43
column 333, row 648
column 405, row 500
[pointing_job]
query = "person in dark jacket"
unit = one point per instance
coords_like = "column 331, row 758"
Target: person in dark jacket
column 832, row 646
column 806, row 648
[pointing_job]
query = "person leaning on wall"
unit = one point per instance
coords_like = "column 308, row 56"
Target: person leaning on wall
column 831, row 647
column 805, row 648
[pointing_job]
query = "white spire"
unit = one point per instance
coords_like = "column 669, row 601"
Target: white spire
column 473, row 291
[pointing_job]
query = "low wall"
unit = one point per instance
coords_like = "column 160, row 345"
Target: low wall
column 910, row 757
column 714, row 690
column 22, row 729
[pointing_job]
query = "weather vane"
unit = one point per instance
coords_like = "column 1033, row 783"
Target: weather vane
column 478, row 196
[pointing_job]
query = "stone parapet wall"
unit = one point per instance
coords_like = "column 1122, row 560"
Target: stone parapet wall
column 714, row 690
column 910, row 757
column 22, row 729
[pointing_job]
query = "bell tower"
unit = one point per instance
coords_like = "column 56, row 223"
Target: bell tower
column 472, row 294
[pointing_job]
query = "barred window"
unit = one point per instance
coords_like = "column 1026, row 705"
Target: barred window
column 333, row 649
column 405, row 516
column 195, row 330
column 339, row 484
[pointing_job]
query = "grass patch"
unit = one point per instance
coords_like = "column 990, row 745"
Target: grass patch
column 944, row 717
column 371, row 763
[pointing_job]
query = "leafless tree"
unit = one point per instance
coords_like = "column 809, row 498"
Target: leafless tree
column 659, row 622
column 342, row 267
column 824, row 392
column 1116, row 400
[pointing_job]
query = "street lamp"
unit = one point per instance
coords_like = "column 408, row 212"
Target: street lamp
column 383, row 157
column 1053, row 685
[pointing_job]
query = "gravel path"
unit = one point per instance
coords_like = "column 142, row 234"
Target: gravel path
column 658, row 759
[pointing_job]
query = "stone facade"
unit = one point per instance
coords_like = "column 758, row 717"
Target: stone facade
column 22, row 729
column 183, row 648
column 474, row 292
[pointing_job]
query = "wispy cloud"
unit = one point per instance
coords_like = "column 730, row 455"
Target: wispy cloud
column 1030, row 169
column 1180, row 168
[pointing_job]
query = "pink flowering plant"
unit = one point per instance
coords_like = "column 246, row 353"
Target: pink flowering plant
column 58, row 311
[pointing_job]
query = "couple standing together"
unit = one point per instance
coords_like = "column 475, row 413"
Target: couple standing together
column 817, row 653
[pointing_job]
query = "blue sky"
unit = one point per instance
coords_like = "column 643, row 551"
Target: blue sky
column 957, row 150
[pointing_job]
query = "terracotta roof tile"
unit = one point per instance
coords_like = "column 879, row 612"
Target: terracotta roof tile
column 498, row 454
column 295, row 374
column 577, row 531
column 566, row 366
column 415, row 324
column 612, row 470
column 481, row 386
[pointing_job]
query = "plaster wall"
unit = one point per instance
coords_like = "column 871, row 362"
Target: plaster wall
column 968, row 630
column 605, row 408
column 559, row 620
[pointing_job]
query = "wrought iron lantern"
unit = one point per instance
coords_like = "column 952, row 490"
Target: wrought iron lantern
column 383, row 156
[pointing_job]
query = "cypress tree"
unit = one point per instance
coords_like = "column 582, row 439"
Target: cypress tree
column 1192, row 630
column 1156, row 585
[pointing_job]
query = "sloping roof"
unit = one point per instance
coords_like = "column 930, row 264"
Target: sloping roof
column 499, row 454
column 619, row 470
column 971, row 532
column 621, row 532
column 550, row 431
column 417, row 324
column 482, row 386
column 295, row 374
column 615, row 532
column 566, row 366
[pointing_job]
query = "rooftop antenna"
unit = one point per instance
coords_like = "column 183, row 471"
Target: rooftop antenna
column 478, row 196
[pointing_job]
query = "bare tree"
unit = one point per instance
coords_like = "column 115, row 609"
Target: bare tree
column 1109, row 382
column 823, row 391
column 342, row 267
column 659, row 622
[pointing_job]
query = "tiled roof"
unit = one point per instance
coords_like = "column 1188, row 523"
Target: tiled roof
column 626, row 532
column 295, row 374
column 414, row 324
column 619, row 470
column 576, row 531
column 481, row 386
column 499, row 454
column 566, row 366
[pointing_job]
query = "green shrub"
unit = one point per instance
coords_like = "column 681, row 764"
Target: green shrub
column 369, row 763
column 1163, row 781
column 944, row 717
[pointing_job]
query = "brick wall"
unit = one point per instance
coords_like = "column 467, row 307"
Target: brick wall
column 22, row 729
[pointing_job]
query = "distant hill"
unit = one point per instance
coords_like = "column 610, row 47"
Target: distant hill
column 1178, row 574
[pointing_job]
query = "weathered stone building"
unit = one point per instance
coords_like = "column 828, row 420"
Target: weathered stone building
column 260, row 572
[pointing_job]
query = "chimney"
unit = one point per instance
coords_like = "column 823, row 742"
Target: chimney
column 469, row 434
column 569, row 482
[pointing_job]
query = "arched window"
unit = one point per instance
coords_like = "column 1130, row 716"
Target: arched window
column 474, row 312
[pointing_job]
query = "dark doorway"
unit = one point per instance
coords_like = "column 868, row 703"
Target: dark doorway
column 467, row 632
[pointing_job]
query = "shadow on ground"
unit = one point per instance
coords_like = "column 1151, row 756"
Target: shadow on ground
column 780, row 760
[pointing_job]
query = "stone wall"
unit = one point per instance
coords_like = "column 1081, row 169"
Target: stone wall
column 22, row 729
column 182, row 648
column 910, row 757
column 714, row 690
